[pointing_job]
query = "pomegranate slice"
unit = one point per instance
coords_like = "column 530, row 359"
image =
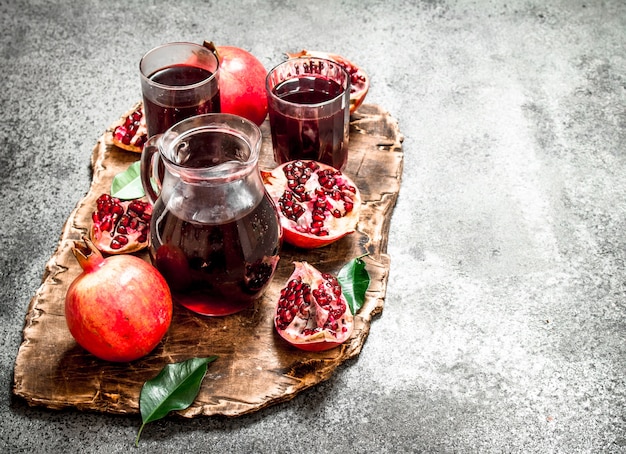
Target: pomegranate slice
column 312, row 314
column 131, row 133
column 359, row 80
column 120, row 227
column 317, row 204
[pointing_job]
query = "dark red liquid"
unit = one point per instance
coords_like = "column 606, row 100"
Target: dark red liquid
column 218, row 269
column 321, row 139
column 173, row 106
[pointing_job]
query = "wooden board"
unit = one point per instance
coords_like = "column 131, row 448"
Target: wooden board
column 255, row 368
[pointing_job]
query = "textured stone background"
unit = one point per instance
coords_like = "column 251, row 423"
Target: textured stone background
column 504, row 325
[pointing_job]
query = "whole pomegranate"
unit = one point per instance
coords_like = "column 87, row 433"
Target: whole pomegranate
column 119, row 308
column 317, row 204
column 242, row 83
column 312, row 314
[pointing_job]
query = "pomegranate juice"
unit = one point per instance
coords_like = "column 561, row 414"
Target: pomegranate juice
column 164, row 112
column 322, row 138
column 218, row 269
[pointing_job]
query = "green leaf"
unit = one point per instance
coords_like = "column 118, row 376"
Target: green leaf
column 127, row 185
column 354, row 280
column 174, row 388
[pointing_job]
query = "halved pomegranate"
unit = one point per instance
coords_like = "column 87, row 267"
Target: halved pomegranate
column 317, row 204
column 312, row 314
column 130, row 132
column 359, row 80
column 120, row 227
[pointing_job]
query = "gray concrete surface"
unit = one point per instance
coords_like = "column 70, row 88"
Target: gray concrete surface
column 504, row 325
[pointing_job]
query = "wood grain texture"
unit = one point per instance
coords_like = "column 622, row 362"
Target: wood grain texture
column 255, row 368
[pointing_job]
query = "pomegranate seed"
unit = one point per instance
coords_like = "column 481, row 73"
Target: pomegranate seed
column 121, row 239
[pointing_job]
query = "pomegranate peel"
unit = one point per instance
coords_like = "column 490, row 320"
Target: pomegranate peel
column 359, row 80
column 119, row 308
column 317, row 204
column 130, row 132
column 120, row 227
column 312, row 313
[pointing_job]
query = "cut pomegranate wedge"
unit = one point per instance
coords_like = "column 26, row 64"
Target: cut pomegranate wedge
column 317, row 204
column 130, row 132
column 359, row 80
column 120, row 227
column 312, row 314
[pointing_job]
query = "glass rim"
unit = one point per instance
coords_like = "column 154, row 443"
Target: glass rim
column 146, row 78
column 345, row 88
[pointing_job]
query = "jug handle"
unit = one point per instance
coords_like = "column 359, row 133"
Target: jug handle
column 150, row 161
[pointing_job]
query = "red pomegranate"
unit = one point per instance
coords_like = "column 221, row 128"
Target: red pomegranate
column 120, row 227
column 312, row 314
column 359, row 80
column 317, row 203
column 242, row 83
column 130, row 132
column 119, row 308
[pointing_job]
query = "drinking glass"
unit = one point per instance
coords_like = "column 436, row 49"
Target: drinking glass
column 178, row 80
column 309, row 110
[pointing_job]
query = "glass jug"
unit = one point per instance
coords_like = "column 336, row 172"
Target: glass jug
column 215, row 233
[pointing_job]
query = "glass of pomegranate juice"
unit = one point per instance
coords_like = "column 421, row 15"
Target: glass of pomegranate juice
column 215, row 234
column 309, row 109
column 178, row 81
